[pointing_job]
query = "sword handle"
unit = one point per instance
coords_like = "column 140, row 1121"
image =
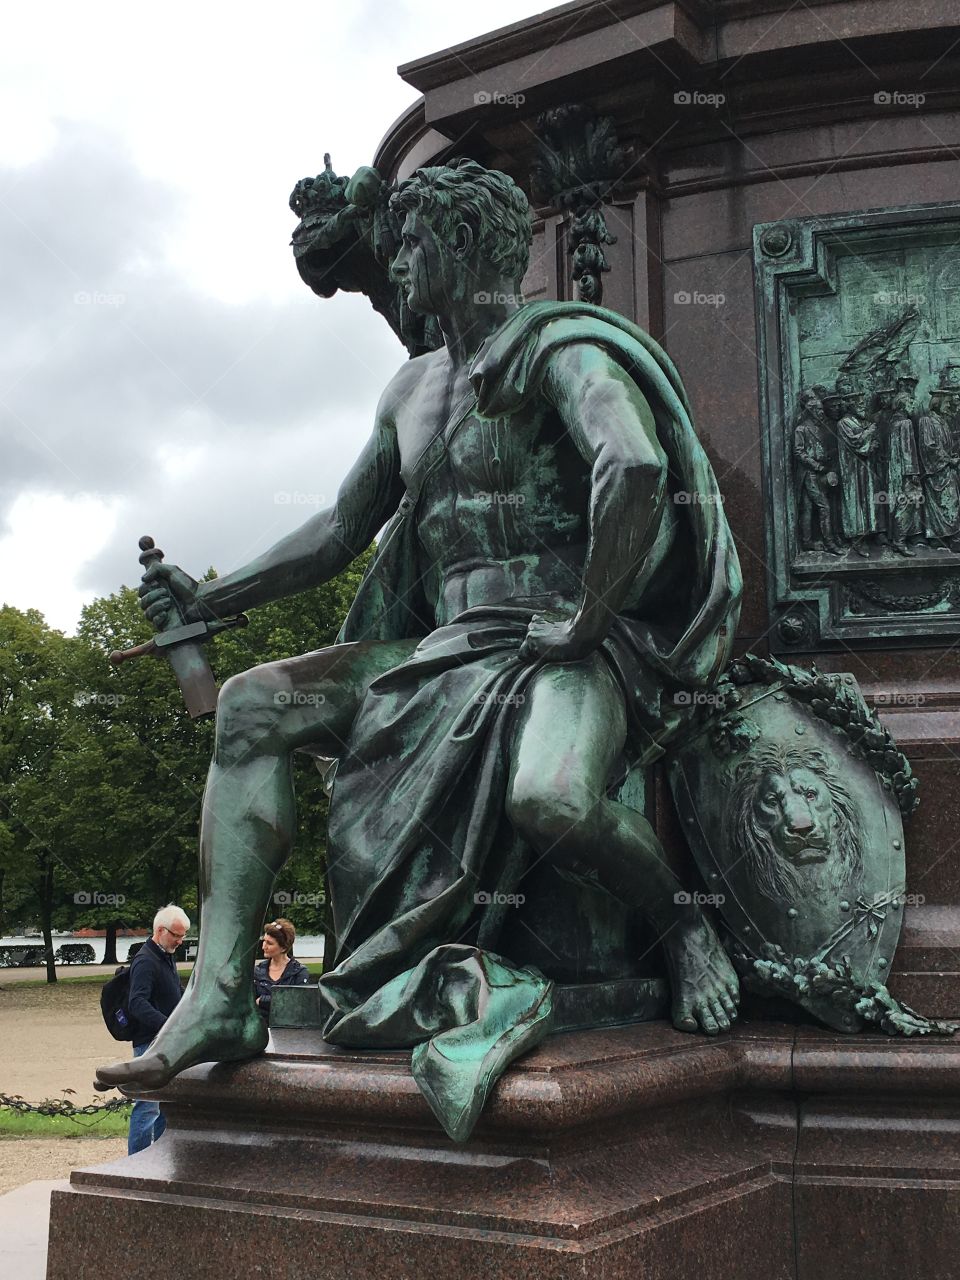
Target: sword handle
column 150, row 554
column 138, row 651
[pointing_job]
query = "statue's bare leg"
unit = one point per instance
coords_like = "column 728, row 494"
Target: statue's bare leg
column 246, row 834
column 570, row 732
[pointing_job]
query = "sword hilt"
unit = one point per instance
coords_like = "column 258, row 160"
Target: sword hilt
column 138, row 651
column 150, row 553
column 185, row 633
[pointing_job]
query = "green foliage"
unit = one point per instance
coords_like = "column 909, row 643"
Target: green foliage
column 108, row 1124
column 36, row 693
column 102, row 771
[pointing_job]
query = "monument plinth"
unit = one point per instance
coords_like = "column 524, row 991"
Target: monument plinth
column 617, row 1153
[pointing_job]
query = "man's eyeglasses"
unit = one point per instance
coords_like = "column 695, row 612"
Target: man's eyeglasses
column 179, row 936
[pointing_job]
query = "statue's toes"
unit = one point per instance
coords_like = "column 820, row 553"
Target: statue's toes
column 708, row 1022
column 684, row 1019
column 730, row 1005
column 720, row 1015
column 110, row 1077
column 148, row 1072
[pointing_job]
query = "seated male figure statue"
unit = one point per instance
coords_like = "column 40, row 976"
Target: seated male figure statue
column 556, row 576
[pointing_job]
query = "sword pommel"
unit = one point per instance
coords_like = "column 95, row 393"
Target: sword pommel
column 150, row 553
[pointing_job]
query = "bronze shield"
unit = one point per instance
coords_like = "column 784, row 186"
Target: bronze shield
column 791, row 795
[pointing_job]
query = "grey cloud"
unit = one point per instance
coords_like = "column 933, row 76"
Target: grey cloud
column 110, row 361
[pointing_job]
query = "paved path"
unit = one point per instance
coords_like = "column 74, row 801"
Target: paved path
column 104, row 971
column 25, row 1211
column 63, row 971
column 24, row 1216
column 53, row 1039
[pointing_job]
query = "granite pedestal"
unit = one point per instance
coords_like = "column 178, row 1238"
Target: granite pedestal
column 770, row 1153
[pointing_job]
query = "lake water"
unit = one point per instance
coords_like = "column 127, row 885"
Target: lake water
column 307, row 947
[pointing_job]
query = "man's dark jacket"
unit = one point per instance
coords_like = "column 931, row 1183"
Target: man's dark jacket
column 154, row 991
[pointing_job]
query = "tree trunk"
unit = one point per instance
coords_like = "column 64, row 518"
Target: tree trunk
column 46, row 917
column 110, row 944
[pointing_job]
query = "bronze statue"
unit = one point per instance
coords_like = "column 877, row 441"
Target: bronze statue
column 556, row 581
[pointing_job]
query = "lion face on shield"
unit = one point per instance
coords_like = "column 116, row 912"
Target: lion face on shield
column 793, row 823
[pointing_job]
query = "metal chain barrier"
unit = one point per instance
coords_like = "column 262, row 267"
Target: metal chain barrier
column 61, row 1107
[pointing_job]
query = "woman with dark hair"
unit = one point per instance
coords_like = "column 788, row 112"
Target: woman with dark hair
column 278, row 968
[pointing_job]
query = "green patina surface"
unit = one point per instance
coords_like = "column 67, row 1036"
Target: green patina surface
column 551, row 606
column 860, row 340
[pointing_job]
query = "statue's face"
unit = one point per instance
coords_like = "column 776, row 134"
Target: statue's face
column 795, row 809
column 427, row 270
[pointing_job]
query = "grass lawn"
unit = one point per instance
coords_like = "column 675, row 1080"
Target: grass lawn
column 106, row 1124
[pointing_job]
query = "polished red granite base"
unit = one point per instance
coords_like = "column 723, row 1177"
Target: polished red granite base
column 774, row 1152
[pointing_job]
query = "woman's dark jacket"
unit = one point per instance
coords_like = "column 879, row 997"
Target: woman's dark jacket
column 294, row 975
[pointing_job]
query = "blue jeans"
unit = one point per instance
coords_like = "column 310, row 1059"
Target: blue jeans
column 146, row 1120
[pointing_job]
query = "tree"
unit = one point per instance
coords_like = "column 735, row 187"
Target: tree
column 35, row 700
column 102, row 770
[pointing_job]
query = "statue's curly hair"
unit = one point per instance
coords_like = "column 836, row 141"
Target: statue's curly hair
column 772, row 875
column 487, row 200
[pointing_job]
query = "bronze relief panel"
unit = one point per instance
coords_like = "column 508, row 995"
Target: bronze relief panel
column 859, row 326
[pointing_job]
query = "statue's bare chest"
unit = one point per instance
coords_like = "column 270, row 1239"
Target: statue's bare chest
column 439, row 430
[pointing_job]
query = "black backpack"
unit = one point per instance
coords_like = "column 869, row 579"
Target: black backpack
column 113, row 1004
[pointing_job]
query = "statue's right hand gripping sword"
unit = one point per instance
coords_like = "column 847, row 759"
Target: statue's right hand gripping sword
column 182, row 646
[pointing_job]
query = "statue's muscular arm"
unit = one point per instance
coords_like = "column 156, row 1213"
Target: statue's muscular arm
column 613, row 428
column 317, row 551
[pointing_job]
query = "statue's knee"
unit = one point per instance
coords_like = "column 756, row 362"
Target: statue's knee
column 546, row 815
column 249, row 712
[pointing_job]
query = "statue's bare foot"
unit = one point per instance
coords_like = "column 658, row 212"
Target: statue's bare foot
column 216, row 1028
column 703, row 983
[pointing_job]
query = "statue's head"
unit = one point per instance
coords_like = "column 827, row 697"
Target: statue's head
column 466, row 233
column 857, row 403
column 811, row 402
column 789, row 813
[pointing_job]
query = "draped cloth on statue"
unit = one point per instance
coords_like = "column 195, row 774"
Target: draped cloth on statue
column 420, row 855
column 903, row 477
column 857, row 446
column 941, row 487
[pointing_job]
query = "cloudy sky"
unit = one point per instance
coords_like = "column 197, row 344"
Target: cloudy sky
column 162, row 368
